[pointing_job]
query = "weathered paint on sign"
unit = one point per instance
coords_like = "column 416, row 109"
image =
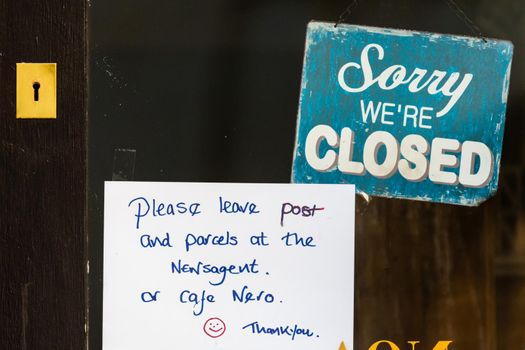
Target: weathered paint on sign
column 402, row 114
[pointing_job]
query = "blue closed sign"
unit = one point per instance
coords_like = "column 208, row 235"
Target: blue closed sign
column 402, row 114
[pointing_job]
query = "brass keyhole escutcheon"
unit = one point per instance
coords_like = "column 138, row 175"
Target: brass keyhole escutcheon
column 36, row 90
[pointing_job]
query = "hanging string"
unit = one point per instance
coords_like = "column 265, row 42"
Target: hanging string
column 347, row 11
column 465, row 18
column 458, row 11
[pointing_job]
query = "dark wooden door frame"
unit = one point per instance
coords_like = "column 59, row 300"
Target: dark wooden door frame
column 43, row 240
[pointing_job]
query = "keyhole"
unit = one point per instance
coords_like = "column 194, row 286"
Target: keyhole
column 36, row 86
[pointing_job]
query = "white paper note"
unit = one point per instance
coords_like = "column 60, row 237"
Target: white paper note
column 197, row 266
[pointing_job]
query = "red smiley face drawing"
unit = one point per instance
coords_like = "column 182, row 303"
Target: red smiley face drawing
column 214, row 327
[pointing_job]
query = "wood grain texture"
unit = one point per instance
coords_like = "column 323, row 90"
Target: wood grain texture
column 424, row 272
column 510, row 300
column 43, row 182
